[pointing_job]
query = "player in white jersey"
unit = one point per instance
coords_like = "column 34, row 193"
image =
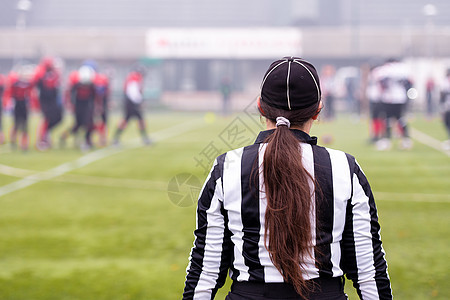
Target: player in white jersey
column 445, row 107
column 393, row 78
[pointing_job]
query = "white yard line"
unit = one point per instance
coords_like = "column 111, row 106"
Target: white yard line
column 160, row 185
column 89, row 180
column 58, row 173
column 95, row 156
column 428, row 141
column 113, row 182
column 15, row 172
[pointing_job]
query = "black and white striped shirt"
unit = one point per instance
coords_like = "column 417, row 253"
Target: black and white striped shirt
column 230, row 223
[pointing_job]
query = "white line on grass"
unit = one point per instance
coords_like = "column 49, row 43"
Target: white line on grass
column 428, row 140
column 89, row 180
column 159, row 185
column 15, row 172
column 113, row 182
column 95, row 156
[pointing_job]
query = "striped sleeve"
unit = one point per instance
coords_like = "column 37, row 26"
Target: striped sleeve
column 363, row 257
column 209, row 259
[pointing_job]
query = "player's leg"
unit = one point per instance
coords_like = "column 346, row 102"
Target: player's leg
column 388, row 120
column 24, row 128
column 2, row 136
column 400, row 115
column 103, row 128
column 43, row 139
column 13, row 135
column 377, row 124
column 122, row 124
column 16, row 126
column 74, row 129
column 142, row 127
column 384, row 125
column 43, row 129
column 446, row 120
column 89, row 126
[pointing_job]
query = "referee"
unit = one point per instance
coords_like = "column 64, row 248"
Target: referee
column 285, row 217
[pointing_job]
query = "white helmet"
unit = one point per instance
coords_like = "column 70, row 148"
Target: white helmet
column 86, row 74
column 26, row 72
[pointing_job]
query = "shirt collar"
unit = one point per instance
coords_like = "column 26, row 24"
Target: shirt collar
column 300, row 135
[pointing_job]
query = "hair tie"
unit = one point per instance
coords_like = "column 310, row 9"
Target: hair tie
column 282, row 121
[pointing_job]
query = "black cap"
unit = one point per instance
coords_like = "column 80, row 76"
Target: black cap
column 291, row 83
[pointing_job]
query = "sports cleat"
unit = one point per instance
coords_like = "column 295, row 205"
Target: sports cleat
column 115, row 143
column 85, row 147
column 43, row 145
column 406, row 144
column 147, row 141
column 383, row 144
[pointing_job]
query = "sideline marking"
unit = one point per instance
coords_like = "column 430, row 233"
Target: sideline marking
column 95, row 156
column 428, row 140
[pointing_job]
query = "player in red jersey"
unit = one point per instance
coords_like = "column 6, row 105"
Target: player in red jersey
column 19, row 87
column 101, row 105
column 80, row 98
column 2, row 89
column 48, row 83
column 133, row 105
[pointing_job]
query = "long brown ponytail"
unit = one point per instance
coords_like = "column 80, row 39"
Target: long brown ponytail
column 288, row 235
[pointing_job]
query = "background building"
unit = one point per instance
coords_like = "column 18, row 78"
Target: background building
column 185, row 42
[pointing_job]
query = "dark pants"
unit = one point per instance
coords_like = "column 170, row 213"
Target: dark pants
column 104, row 114
column 21, row 116
column 132, row 110
column 322, row 288
column 376, row 110
column 1, row 107
column 447, row 122
column 84, row 119
column 52, row 113
column 397, row 112
column 329, row 109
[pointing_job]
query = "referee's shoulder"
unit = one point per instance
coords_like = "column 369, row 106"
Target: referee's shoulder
column 350, row 158
column 234, row 155
column 239, row 150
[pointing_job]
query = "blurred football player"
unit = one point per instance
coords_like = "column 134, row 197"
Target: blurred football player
column 445, row 107
column 101, row 106
column 48, row 83
column 395, row 83
column 2, row 89
column 133, row 99
column 20, row 85
column 373, row 93
column 80, row 98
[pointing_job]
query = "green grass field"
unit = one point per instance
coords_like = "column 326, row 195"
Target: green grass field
column 101, row 225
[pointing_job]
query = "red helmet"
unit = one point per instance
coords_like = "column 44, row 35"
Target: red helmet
column 47, row 63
